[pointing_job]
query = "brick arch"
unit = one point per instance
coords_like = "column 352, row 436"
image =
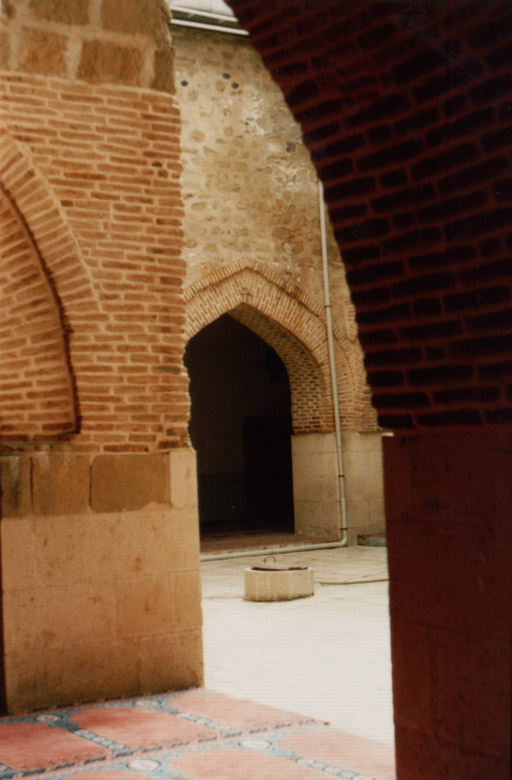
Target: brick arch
column 406, row 110
column 36, row 388
column 47, row 225
column 62, row 294
column 294, row 325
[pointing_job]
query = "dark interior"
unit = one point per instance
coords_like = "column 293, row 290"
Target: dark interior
column 240, row 428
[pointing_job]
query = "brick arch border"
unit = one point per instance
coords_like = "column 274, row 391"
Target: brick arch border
column 294, row 325
column 36, row 393
column 47, row 225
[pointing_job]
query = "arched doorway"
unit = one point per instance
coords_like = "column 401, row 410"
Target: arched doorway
column 240, row 428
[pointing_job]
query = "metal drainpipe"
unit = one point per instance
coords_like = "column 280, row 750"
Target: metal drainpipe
column 339, row 449
column 332, row 364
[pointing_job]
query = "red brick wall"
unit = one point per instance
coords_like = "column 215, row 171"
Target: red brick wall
column 407, row 111
column 36, row 391
column 293, row 324
column 94, row 172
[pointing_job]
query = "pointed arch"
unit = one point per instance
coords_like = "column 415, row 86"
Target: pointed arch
column 47, row 225
column 46, row 293
column 37, row 398
column 294, row 325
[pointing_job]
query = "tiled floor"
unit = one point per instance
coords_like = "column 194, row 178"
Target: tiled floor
column 193, row 735
column 326, row 657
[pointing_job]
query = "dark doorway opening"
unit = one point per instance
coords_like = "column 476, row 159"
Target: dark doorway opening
column 240, row 428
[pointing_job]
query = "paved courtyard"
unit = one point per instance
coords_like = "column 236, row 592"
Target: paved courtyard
column 326, row 657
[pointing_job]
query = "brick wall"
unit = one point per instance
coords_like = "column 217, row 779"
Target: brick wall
column 106, row 163
column 36, row 393
column 406, row 114
column 406, row 110
column 293, row 324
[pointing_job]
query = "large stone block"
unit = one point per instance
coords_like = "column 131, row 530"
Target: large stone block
column 163, row 64
column 133, row 544
column 94, row 669
column 4, row 51
column 95, row 605
column 183, row 475
column 60, row 483
column 312, row 443
column 63, row 11
column 18, row 553
column 25, row 680
column 15, row 492
column 124, row 482
column 171, row 662
column 102, row 61
column 144, row 607
column 186, row 592
column 61, row 550
column 139, row 17
column 318, row 519
column 42, row 52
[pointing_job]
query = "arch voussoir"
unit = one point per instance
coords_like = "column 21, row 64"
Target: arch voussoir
column 294, row 325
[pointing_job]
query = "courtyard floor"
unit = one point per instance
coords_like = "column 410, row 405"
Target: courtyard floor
column 325, row 658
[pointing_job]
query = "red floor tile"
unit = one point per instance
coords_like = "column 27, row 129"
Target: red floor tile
column 140, row 728
column 240, row 765
column 29, row 746
column 344, row 750
column 237, row 713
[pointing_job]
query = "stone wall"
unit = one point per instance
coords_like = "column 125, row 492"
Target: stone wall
column 249, row 186
column 100, row 581
column 93, row 173
column 252, row 245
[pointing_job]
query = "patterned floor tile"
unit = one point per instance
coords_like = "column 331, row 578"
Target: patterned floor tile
column 32, row 746
column 235, row 713
column 240, row 765
column 347, row 750
column 141, row 728
column 196, row 735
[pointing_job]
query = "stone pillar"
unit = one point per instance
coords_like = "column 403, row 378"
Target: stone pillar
column 100, row 568
column 449, row 503
column 99, row 526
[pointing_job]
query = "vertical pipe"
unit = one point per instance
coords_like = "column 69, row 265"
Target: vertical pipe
column 332, row 364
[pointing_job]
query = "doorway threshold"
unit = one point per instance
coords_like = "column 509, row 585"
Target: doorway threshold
column 214, row 547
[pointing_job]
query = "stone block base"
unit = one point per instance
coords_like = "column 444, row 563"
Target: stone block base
column 99, row 604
